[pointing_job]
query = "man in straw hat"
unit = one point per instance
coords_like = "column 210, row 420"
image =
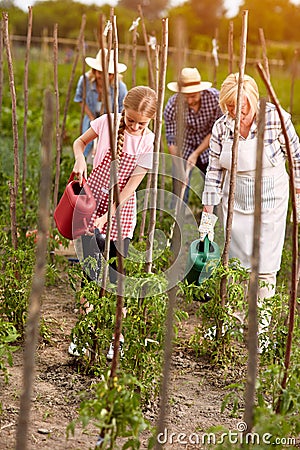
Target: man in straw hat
column 94, row 101
column 201, row 110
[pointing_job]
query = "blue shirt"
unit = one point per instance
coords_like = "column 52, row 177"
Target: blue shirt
column 197, row 125
column 91, row 97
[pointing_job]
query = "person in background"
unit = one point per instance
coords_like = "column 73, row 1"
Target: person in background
column 134, row 157
column 275, row 180
column 201, row 110
column 93, row 79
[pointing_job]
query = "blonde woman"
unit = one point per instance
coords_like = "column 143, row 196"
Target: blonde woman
column 275, row 180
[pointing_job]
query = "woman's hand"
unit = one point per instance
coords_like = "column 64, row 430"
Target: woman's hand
column 208, row 208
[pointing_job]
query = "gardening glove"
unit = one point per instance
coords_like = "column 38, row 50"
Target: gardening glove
column 207, row 225
column 298, row 207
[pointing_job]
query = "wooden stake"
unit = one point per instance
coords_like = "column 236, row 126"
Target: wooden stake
column 157, row 131
column 83, row 104
column 70, row 86
column 24, row 173
column 32, row 326
column 215, row 56
column 230, row 47
column 294, row 76
column 264, row 52
column 115, row 186
column 178, row 167
column 57, row 110
column 253, row 285
column 294, row 282
column 1, row 67
column 145, row 207
column 225, row 255
column 148, row 54
column 134, row 52
column 14, row 192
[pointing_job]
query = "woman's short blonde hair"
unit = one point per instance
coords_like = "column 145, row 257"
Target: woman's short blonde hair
column 229, row 89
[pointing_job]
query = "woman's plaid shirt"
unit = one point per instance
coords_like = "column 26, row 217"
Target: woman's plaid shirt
column 274, row 147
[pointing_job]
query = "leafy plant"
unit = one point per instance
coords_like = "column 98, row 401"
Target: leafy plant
column 220, row 328
column 8, row 336
column 15, row 281
column 115, row 411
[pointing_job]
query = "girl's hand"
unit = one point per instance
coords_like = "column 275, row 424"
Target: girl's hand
column 80, row 168
column 192, row 160
column 99, row 222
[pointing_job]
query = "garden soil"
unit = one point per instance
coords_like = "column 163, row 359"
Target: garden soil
column 196, row 389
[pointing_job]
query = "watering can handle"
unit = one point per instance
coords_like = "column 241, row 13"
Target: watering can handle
column 206, row 248
column 72, row 176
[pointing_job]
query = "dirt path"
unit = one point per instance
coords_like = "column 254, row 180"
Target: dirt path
column 196, row 390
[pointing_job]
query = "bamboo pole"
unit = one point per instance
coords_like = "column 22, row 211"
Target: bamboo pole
column 149, row 175
column 225, row 255
column 215, row 56
column 116, row 190
column 70, row 86
column 264, row 52
column 116, row 77
column 148, row 54
column 134, row 53
column 110, row 198
column 13, row 215
column 28, row 43
column 145, row 207
column 109, row 34
column 163, row 399
column 32, row 326
column 157, row 140
column 294, row 282
column 170, row 310
column 162, row 183
column 1, row 68
column 293, row 78
column 57, row 122
column 14, row 192
column 253, row 285
column 106, row 101
column 83, row 104
column 133, row 28
column 230, row 47
column 114, row 144
column 179, row 172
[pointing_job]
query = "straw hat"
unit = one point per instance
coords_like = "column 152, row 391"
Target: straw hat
column 96, row 63
column 189, row 82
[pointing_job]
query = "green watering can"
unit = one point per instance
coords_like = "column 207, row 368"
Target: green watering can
column 202, row 258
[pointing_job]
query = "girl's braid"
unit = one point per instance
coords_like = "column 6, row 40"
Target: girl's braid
column 120, row 137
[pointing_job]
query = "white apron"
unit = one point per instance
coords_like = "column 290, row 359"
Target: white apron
column 275, row 194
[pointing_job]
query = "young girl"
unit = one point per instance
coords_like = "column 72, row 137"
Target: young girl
column 134, row 157
column 90, row 86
